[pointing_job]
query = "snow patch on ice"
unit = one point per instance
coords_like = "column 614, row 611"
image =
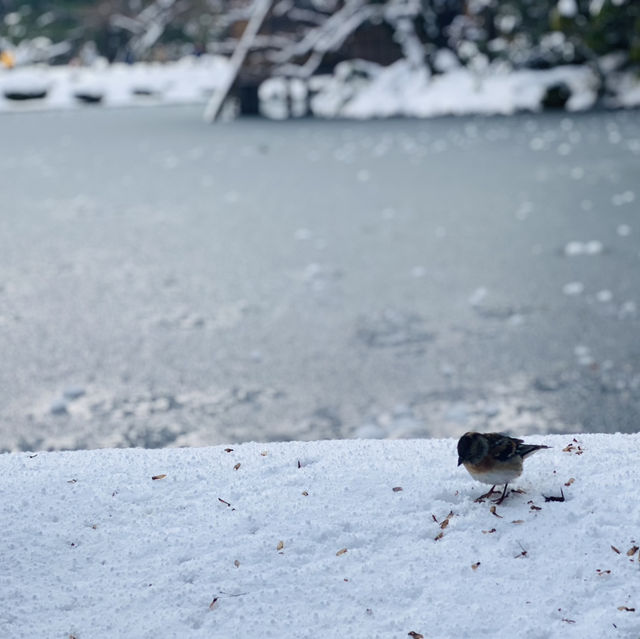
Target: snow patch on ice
column 592, row 247
column 573, row 288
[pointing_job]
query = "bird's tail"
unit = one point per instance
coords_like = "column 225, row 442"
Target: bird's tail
column 524, row 450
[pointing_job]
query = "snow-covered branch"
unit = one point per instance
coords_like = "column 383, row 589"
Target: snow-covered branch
column 330, row 35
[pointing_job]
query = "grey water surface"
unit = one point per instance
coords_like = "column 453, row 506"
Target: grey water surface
column 164, row 282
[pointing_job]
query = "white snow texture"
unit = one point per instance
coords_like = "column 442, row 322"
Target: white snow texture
column 357, row 539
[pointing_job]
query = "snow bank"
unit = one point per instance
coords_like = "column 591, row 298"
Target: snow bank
column 187, row 81
column 357, row 539
column 400, row 89
column 357, row 89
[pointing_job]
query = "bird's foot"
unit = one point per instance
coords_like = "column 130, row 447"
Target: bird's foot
column 481, row 499
column 503, row 496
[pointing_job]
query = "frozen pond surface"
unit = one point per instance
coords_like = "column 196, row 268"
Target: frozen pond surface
column 163, row 282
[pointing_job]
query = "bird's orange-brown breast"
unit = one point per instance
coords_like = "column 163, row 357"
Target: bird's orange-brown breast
column 489, row 464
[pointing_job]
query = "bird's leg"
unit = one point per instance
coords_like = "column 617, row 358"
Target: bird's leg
column 504, row 494
column 483, row 497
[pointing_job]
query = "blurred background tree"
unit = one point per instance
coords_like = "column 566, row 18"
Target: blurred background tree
column 301, row 37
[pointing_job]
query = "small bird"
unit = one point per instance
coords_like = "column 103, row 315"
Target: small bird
column 493, row 458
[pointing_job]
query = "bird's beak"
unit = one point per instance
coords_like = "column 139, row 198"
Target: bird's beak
column 459, row 461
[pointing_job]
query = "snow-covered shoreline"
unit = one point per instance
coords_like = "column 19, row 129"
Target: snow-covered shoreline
column 319, row 539
column 187, row 81
column 357, row 89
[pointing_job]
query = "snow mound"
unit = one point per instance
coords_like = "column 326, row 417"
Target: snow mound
column 323, row 539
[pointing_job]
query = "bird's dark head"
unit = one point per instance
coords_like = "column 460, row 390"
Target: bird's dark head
column 472, row 447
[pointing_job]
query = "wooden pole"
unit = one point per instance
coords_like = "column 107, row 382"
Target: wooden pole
column 259, row 13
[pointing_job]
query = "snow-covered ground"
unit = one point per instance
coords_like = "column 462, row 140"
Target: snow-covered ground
column 357, row 89
column 357, row 539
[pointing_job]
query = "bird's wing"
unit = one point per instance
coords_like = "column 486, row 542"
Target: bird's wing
column 502, row 447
